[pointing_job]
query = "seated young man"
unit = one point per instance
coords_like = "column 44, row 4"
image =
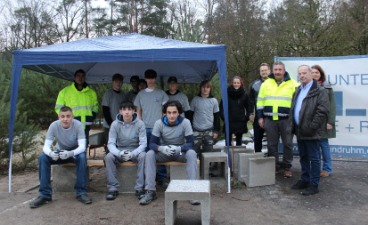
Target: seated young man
column 70, row 148
column 171, row 140
column 127, row 142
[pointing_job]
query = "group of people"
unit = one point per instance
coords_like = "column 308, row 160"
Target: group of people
column 281, row 107
column 148, row 125
column 144, row 126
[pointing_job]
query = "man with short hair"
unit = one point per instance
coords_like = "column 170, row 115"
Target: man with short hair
column 70, row 148
column 134, row 82
column 273, row 110
column 264, row 71
column 111, row 102
column 176, row 95
column 81, row 99
column 127, row 142
column 308, row 117
column 171, row 140
column 149, row 104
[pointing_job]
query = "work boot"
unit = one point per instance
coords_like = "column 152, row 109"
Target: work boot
column 311, row 190
column 148, row 198
column 300, row 185
column 39, row 201
column 84, row 199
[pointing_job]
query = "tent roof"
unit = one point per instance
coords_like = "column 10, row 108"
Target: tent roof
column 129, row 54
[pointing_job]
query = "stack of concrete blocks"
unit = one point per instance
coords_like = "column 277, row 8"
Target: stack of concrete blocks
column 213, row 157
column 64, row 178
column 235, row 150
column 178, row 190
column 256, row 170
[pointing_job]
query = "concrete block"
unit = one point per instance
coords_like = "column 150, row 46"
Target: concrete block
column 243, row 164
column 235, row 150
column 261, row 172
column 64, row 178
column 256, row 170
column 213, row 157
column 188, row 190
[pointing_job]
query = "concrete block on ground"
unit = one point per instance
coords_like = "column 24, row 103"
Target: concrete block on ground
column 243, row 164
column 256, row 170
column 64, row 178
column 188, row 190
column 235, row 150
column 213, row 157
column 261, row 172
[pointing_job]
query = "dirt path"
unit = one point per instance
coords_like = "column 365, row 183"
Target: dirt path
column 343, row 199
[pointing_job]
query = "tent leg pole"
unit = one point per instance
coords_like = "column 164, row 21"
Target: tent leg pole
column 228, row 180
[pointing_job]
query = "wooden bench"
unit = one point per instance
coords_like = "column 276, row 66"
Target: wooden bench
column 65, row 174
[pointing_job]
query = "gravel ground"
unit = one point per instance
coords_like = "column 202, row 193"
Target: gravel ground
column 343, row 199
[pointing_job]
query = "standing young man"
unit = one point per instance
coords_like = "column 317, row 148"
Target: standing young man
column 127, row 142
column 264, row 71
column 70, row 147
column 149, row 104
column 111, row 101
column 81, row 99
column 176, row 95
column 171, row 140
column 206, row 118
column 134, row 82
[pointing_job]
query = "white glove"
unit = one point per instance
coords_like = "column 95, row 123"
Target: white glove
column 176, row 148
column 64, row 154
column 127, row 156
column 54, row 155
column 167, row 150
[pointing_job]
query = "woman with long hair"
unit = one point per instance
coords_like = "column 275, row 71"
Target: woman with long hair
column 330, row 131
column 239, row 110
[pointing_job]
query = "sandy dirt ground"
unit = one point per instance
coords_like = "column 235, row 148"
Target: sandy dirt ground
column 343, row 199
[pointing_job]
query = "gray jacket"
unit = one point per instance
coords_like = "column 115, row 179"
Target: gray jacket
column 313, row 113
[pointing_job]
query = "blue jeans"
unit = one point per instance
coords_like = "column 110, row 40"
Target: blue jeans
column 161, row 170
column 326, row 155
column 44, row 173
column 310, row 161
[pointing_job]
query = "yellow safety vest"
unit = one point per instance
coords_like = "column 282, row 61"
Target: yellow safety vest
column 275, row 100
column 83, row 103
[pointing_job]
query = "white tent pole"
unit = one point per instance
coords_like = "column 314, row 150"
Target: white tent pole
column 10, row 171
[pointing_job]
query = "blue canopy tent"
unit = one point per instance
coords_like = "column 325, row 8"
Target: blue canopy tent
column 129, row 54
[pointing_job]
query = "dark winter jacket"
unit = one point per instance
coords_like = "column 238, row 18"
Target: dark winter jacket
column 313, row 113
column 253, row 94
column 239, row 110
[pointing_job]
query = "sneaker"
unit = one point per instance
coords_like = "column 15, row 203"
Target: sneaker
column 84, row 199
column 300, row 185
column 39, row 201
column 148, row 198
column 324, row 174
column 287, row 173
column 139, row 193
column 111, row 195
column 194, row 202
column 311, row 190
